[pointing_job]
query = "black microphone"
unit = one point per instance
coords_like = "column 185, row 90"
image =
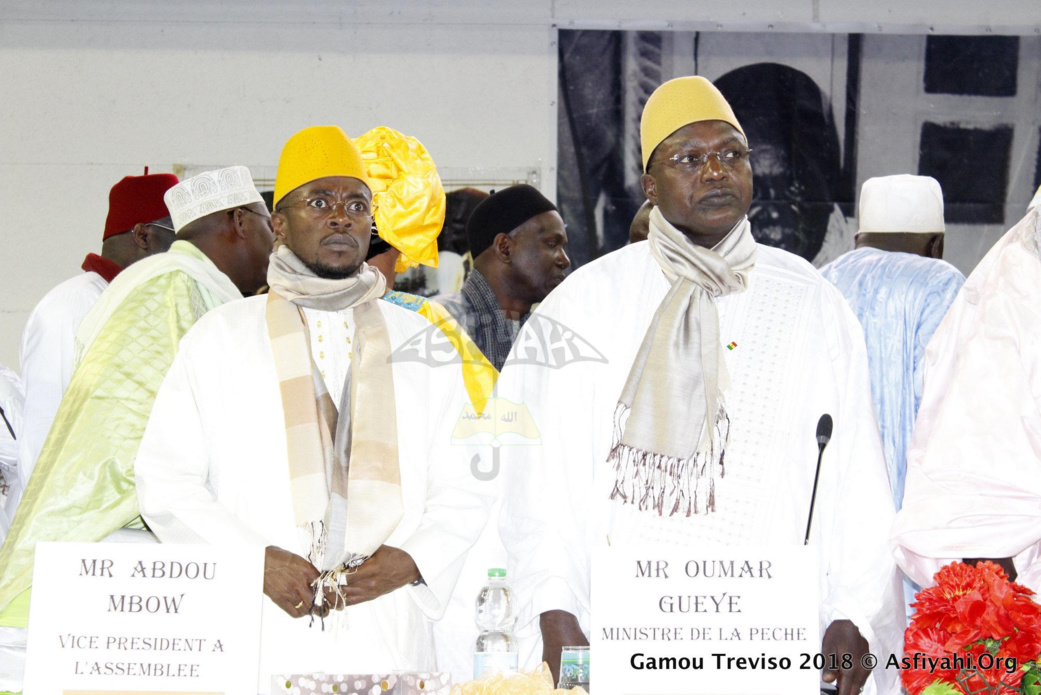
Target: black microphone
column 824, row 430
column 8, row 423
column 824, row 426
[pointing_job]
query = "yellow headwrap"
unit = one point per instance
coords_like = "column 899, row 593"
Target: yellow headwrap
column 314, row 153
column 408, row 199
column 677, row 103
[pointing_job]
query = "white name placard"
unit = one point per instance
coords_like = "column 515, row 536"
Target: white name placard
column 705, row 620
column 144, row 618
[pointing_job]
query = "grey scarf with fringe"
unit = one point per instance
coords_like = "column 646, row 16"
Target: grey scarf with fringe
column 671, row 425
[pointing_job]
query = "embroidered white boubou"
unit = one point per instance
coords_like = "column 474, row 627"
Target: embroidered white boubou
column 671, row 425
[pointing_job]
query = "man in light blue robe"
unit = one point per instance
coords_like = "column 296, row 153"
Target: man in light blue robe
column 900, row 290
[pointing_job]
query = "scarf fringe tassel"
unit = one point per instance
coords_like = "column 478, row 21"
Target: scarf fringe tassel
column 319, row 540
column 666, row 484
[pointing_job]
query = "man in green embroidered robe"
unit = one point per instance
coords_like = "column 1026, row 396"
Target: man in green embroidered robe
column 82, row 488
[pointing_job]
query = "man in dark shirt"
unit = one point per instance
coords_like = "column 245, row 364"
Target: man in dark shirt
column 517, row 240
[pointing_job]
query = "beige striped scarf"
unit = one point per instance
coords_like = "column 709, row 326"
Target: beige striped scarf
column 343, row 464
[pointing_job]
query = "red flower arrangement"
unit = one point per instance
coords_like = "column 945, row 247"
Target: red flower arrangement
column 974, row 632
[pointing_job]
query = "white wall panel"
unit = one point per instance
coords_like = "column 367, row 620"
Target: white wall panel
column 84, row 104
column 944, row 16
column 282, row 12
column 662, row 14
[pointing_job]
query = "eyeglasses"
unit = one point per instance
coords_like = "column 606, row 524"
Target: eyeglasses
column 258, row 214
column 691, row 162
column 323, row 205
column 266, row 218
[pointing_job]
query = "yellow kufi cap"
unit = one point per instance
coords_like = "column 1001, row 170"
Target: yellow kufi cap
column 314, row 153
column 407, row 196
column 677, row 103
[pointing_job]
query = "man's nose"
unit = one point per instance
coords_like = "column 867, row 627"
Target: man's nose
column 563, row 261
column 338, row 215
column 713, row 169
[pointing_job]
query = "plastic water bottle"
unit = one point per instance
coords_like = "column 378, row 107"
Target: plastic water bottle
column 496, row 613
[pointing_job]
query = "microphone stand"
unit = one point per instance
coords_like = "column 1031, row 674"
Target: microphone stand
column 8, row 423
column 824, row 426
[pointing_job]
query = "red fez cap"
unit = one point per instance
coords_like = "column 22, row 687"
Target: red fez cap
column 137, row 199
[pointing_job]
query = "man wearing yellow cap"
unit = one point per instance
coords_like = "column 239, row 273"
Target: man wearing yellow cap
column 719, row 356
column 295, row 422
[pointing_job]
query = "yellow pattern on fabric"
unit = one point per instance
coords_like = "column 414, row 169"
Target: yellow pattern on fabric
column 82, row 488
column 479, row 376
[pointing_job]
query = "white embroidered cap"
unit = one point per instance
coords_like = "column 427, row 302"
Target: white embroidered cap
column 209, row 192
column 1036, row 201
column 901, row 203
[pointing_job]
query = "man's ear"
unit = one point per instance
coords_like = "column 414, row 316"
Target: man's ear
column 649, row 188
column 502, row 244
column 140, row 234
column 238, row 223
column 278, row 225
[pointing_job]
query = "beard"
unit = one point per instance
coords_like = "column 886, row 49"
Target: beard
column 328, row 272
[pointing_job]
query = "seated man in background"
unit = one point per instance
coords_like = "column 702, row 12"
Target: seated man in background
column 267, row 392
column 518, row 242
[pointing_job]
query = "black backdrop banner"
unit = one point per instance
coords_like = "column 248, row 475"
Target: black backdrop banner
column 823, row 112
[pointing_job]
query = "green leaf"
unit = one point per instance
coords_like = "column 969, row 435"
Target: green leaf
column 940, row 688
column 1031, row 684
